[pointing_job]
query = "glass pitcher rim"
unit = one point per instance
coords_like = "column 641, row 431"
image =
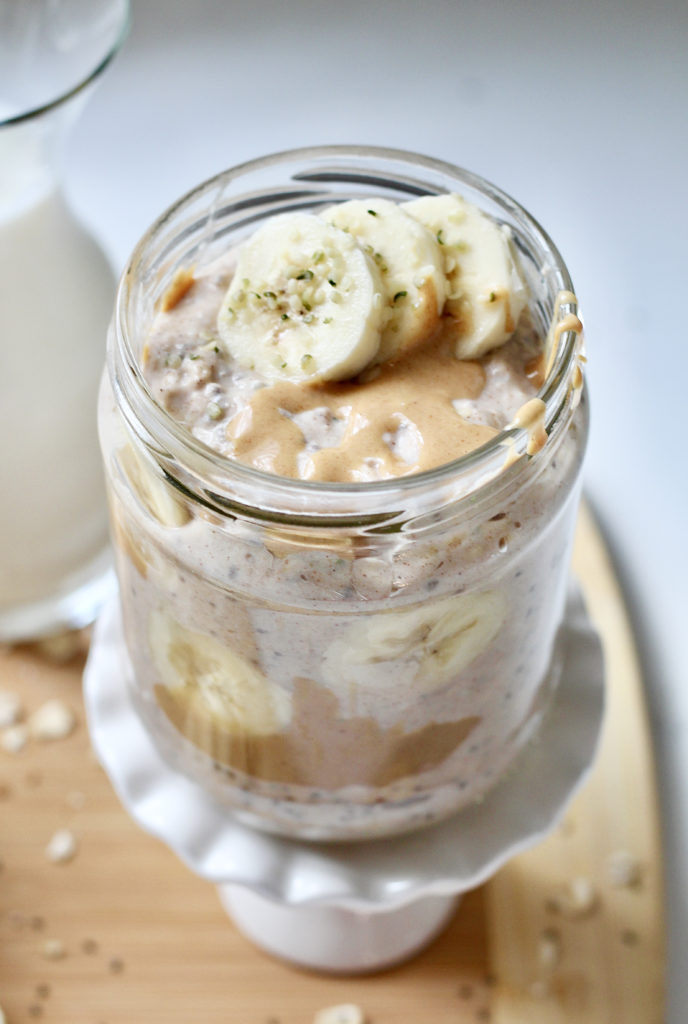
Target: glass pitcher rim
column 83, row 82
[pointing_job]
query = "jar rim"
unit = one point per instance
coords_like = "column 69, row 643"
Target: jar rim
column 166, row 436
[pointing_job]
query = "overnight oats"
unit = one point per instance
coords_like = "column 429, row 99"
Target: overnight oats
column 343, row 424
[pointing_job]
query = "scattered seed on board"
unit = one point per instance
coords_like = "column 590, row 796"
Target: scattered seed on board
column 54, row 720
column 60, row 648
column 11, row 710
column 14, row 739
column 62, row 847
column 343, row 1013
column 54, row 949
column 623, row 869
column 76, row 800
column 540, row 989
column 549, row 948
column 577, row 899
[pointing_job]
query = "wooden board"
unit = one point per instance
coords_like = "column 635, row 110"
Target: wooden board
column 611, row 969
column 145, row 940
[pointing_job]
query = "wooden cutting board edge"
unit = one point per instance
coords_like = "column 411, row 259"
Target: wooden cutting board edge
column 606, row 965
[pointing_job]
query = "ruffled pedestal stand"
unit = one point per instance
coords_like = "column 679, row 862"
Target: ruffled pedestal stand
column 348, row 907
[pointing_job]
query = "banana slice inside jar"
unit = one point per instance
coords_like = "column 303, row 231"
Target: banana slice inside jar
column 486, row 292
column 305, row 303
column 154, row 493
column 411, row 266
column 207, row 686
column 440, row 640
column 321, row 297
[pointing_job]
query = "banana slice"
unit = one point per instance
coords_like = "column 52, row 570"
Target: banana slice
column 441, row 639
column 486, row 292
column 411, row 264
column 153, row 491
column 305, row 304
column 209, row 686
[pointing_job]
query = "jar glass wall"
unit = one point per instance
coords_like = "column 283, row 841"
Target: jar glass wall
column 332, row 660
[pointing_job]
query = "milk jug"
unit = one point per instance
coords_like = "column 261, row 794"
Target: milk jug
column 56, row 290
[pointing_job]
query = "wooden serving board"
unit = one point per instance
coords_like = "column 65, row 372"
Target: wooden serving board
column 146, row 941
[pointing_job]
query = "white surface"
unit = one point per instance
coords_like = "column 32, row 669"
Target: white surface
column 445, row 859
column 335, row 939
column 578, row 110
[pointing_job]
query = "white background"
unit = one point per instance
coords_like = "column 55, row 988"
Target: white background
column 579, row 111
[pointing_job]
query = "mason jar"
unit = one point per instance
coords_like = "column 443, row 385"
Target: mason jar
column 333, row 660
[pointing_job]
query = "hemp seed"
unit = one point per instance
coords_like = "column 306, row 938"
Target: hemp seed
column 62, row 847
column 344, row 1013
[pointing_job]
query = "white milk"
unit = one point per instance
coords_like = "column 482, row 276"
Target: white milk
column 56, row 294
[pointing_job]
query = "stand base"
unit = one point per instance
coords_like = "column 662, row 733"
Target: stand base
column 335, row 939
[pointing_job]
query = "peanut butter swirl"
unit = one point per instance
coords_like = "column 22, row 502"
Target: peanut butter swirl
column 420, row 409
column 415, row 394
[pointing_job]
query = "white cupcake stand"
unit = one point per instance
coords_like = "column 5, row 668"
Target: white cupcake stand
column 358, row 906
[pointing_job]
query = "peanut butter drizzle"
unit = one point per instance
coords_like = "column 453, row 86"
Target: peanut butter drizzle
column 531, row 417
column 569, row 323
column 181, row 283
column 265, row 437
column 321, row 748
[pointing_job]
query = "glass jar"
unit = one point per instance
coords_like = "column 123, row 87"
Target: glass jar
column 56, row 291
column 337, row 661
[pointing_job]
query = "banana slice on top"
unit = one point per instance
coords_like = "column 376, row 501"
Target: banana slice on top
column 411, row 264
column 305, row 303
column 442, row 638
column 207, row 684
column 486, row 292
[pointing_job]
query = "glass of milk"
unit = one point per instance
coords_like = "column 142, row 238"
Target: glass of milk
column 56, row 290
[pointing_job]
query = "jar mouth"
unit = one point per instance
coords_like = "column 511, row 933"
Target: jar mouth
column 313, row 169
column 50, row 34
